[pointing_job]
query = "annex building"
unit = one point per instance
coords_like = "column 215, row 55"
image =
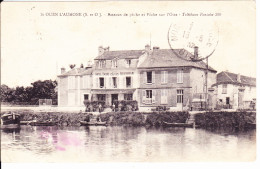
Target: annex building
column 151, row 76
column 235, row 91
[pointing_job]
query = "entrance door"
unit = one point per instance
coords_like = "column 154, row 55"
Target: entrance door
column 227, row 100
column 113, row 98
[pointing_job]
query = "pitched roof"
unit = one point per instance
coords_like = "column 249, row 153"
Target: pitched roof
column 232, row 78
column 77, row 71
column 168, row 58
column 121, row 54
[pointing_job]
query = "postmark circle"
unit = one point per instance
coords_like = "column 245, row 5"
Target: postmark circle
column 193, row 40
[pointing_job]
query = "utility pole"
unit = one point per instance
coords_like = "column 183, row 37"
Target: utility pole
column 206, row 85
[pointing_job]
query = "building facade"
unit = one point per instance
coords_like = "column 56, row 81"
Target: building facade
column 115, row 75
column 234, row 90
column 152, row 77
column 167, row 80
column 74, row 86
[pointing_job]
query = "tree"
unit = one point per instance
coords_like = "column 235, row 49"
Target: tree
column 7, row 94
column 31, row 94
column 72, row 66
column 44, row 89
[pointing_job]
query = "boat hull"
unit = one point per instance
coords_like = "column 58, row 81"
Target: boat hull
column 10, row 121
column 10, row 126
column 84, row 123
column 42, row 123
column 166, row 124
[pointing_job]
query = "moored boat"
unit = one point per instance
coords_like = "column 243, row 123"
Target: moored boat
column 84, row 123
column 47, row 123
column 10, row 120
column 167, row 124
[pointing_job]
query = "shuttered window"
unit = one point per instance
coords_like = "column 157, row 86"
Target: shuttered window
column 96, row 80
column 143, row 96
column 71, row 82
column 85, row 81
column 153, row 96
column 164, row 76
column 180, row 76
column 144, row 77
column 164, row 96
column 114, row 63
column 224, row 89
column 149, row 96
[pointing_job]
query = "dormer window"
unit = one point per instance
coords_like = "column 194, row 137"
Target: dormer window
column 128, row 62
column 114, row 63
column 102, row 63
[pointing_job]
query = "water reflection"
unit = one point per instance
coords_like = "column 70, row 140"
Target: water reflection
column 99, row 143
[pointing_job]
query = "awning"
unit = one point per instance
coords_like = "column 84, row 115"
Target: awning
column 111, row 91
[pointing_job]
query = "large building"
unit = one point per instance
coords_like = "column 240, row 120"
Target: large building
column 74, row 86
column 153, row 77
column 234, row 90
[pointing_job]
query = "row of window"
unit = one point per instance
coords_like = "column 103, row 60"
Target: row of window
column 149, row 77
column 224, row 89
column 149, row 96
column 113, row 81
column 102, row 97
column 85, row 82
column 114, row 63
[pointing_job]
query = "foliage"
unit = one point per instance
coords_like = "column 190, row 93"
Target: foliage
column 92, row 106
column 31, row 94
column 237, row 119
column 126, row 105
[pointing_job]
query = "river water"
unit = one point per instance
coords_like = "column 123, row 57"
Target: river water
column 131, row 144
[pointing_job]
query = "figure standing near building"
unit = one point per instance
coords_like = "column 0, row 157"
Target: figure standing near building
column 99, row 107
column 113, row 107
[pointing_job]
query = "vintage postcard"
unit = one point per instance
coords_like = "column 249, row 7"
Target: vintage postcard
column 128, row 81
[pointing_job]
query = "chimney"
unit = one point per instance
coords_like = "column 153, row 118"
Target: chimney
column 147, row 48
column 101, row 50
column 196, row 52
column 238, row 78
column 63, row 70
column 156, row 48
column 106, row 49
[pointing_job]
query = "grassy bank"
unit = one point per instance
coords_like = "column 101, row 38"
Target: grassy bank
column 112, row 118
column 143, row 119
column 63, row 119
column 238, row 119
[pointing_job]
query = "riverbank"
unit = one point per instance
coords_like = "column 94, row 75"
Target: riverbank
column 112, row 118
column 222, row 119
column 237, row 119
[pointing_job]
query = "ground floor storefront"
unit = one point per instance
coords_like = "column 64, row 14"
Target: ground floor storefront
column 113, row 95
column 172, row 98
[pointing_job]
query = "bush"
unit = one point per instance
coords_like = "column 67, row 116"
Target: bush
column 236, row 119
column 126, row 105
column 93, row 105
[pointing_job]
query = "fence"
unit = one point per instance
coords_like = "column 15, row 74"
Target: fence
column 45, row 102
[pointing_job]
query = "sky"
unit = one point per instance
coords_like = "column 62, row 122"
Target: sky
column 35, row 47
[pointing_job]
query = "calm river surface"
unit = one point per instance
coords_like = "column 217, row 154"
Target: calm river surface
column 91, row 144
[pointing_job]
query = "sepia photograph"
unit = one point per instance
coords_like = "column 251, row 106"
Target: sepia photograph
column 128, row 81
